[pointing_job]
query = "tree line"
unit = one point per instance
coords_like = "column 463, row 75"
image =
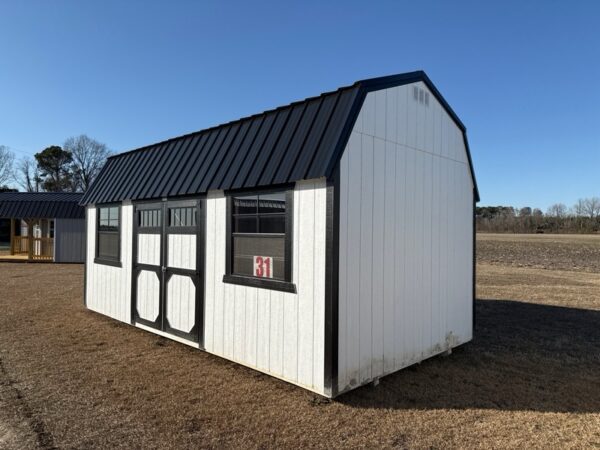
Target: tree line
column 68, row 168
column 582, row 217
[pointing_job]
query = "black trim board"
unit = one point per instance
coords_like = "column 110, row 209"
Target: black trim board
column 116, row 262
column 164, row 272
column 108, row 262
column 263, row 283
column 332, row 242
column 474, row 260
column 201, row 268
column 286, row 285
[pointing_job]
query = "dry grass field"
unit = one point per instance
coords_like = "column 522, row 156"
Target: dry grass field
column 70, row 378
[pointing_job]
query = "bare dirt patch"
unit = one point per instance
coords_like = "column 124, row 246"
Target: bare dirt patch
column 542, row 251
column 75, row 379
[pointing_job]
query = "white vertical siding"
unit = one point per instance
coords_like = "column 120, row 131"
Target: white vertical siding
column 148, row 248
column 405, row 265
column 148, row 295
column 279, row 333
column 108, row 288
column 182, row 251
column 181, row 303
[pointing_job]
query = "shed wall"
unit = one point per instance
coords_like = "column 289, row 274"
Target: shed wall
column 69, row 240
column 275, row 332
column 108, row 288
column 405, row 267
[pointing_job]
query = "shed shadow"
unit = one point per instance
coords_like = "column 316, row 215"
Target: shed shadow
column 524, row 356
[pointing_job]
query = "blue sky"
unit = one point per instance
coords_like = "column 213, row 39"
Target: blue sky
column 523, row 76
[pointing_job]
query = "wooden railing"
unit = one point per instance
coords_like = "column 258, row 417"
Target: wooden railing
column 19, row 245
column 42, row 249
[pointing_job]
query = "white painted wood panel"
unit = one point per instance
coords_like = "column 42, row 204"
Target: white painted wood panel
column 181, row 302
column 108, row 288
column 148, row 249
column 279, row 333
column 181, row 251
column 148, row 289
column 405, row 264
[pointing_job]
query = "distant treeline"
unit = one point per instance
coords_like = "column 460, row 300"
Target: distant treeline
column 583, row 217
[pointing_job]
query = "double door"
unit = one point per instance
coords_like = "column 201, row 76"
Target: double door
column 168, row 267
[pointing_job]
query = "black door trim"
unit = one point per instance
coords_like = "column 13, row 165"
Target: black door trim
column 164, row 272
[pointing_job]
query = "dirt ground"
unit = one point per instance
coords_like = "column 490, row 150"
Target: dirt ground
column 70, row 378
column 541, row 251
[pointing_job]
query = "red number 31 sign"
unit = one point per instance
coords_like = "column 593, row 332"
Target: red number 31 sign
column 263, row 266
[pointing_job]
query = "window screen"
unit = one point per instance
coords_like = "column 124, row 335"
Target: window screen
column 108, row 233
column 258, row 225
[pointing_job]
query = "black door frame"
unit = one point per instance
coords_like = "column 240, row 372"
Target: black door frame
column 164, row 272
column 138, row 267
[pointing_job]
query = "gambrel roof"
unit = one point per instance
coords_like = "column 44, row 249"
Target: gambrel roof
column 302, row 140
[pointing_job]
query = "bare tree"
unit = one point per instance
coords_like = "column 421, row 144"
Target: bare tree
column 28, row 175
column 89, row 156
column 525, row 211
column 557, row 210
column 592, row 207
column 7, row 159
column 579, row 208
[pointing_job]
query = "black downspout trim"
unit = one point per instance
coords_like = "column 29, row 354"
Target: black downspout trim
column 134, row 272
column 201, row 270
column 474, row 257
column 332, row 240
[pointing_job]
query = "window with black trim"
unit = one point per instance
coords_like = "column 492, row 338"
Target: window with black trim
column 182, row 216
column 261, row 235
column 108, row 233
column 150, row 218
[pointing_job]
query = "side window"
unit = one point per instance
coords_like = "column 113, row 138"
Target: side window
column 260, row 237
column 108, row 233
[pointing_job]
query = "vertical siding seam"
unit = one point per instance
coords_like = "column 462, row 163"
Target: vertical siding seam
column 431, row 233
column 359, row 254
column 346, row 188
column 269, row 333
column 315, row 277
column 215, row 269
column 298, row 300
column 256, row 326
column 372, row 245
column 385, row 154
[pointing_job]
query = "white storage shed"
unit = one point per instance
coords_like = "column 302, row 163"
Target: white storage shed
column 328, row 242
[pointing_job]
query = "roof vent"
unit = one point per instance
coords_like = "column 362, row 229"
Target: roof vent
column 420, row 95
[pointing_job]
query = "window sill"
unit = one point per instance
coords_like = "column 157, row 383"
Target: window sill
column 108, row 262
column 262, row 283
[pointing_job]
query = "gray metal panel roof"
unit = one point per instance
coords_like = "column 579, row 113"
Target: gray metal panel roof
column 41, row 205
column 298, row 141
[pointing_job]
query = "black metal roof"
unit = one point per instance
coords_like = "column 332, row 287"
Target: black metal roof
column 302, row 140
column 41, row 205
